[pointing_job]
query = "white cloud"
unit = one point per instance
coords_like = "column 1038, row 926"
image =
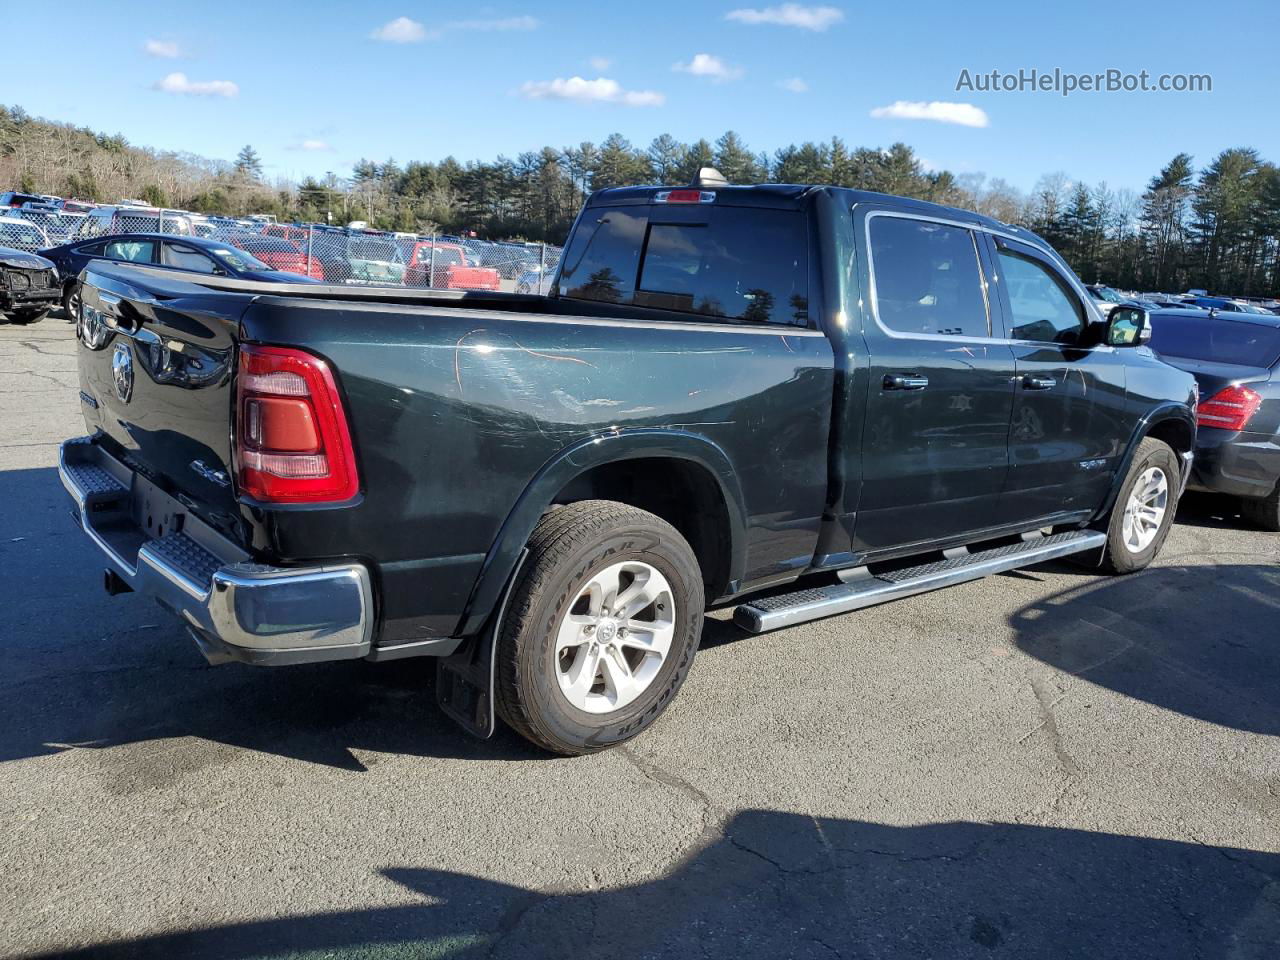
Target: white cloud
column 178, row 83
column 964, row 114
column 599, row 90
column 794, row 85
column 504, row 23
column 314, row 146
column 600, row 63
column 400, row 30
column 165, row 49
column 707, row 65
column 789, row 15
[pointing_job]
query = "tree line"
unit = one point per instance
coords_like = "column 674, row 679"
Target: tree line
column 1216, row 227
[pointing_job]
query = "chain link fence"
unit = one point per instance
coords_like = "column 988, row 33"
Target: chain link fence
column 347, row 255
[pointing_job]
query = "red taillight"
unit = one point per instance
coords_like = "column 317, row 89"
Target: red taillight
column 1228, row 409
column 684, row 196
column 292, row 440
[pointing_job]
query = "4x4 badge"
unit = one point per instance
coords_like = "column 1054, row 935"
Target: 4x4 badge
column 122, row 371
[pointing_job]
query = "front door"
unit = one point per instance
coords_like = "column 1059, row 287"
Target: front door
column 940, row 392
column 1068, row 430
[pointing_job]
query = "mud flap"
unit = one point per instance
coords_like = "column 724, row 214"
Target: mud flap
column 465, row 679
column 464, row 685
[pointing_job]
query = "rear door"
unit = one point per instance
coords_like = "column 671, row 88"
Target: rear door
column 1069, row 427
column 935, row 444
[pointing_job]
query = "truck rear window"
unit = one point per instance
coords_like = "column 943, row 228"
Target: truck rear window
column 1199, row 337
column 739, row 263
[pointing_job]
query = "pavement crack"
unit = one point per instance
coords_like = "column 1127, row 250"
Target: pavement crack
column 714, row 816
column 1049, row 724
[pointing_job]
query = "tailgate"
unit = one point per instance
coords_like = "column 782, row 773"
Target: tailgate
column 156, row 356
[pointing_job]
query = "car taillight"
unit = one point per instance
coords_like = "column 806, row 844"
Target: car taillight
column 292, row 440
column 1228, row 409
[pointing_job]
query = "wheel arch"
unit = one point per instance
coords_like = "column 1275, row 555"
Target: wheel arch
column 1170, row 422
column 713, row 519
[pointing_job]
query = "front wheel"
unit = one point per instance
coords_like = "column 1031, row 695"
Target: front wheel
column 1143, row 512
column 601, row 628
column 28, row 315
column 71, row 301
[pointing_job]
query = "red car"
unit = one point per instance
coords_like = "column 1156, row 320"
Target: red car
column 296, row 235
column 280, row 254
column 449, row 269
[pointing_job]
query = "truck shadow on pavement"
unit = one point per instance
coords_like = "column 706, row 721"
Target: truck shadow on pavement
column 782, row 885
column 1201, row 640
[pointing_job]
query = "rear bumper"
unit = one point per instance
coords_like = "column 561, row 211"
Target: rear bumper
column 235, row 609
column 1239, row 464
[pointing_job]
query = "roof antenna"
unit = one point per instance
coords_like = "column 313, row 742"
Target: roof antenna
column 709, row 177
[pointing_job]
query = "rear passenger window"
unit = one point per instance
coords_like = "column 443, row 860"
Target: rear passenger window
column 737, row 263
column 927, row 278
column 1042, row 308
column 135, row 251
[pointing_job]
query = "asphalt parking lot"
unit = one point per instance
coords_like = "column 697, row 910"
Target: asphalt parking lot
column 1041, row 764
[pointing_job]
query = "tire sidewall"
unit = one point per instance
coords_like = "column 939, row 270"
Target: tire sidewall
column 1123, row 560
column 552, row 714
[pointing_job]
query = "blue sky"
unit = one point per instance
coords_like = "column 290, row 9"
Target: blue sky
column 315, row 86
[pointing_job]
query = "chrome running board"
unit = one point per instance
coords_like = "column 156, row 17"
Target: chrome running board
column 862, row 588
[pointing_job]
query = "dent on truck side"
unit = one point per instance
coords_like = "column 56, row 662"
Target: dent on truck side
column 466, row 422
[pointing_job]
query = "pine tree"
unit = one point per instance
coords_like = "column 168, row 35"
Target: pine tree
column 248, row 164
column 664, row 154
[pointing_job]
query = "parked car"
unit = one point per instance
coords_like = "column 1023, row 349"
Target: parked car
column 108, row 220
column 445, row 266
column 535, row 281
column 12, row 198
column 279, row 254
column 1235, row 358
column 546, row 493
column 356, row 257
column 195, row 254
column 19, row 233
column 28, row 285
column 1221, row 304
column 1105, row 298
column 286, row 231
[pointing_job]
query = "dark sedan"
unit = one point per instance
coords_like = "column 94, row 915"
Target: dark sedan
column 193, row 254
column 1235, row 358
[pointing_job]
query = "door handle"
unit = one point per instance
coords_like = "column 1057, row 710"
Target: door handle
column 1032, row 382
column 905, row 381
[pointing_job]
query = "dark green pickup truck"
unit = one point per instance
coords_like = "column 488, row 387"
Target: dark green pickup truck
column 727, row 389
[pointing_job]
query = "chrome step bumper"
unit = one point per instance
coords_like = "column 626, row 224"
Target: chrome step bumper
column 865, row 589
column 236, row 609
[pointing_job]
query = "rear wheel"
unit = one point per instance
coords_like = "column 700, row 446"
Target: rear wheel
column 601, row 628
column 1264, row 512
column 1143, row 512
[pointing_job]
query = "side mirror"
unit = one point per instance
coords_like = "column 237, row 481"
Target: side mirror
column 1128, row 326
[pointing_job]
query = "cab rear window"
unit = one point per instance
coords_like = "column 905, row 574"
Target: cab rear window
column 735, row 263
